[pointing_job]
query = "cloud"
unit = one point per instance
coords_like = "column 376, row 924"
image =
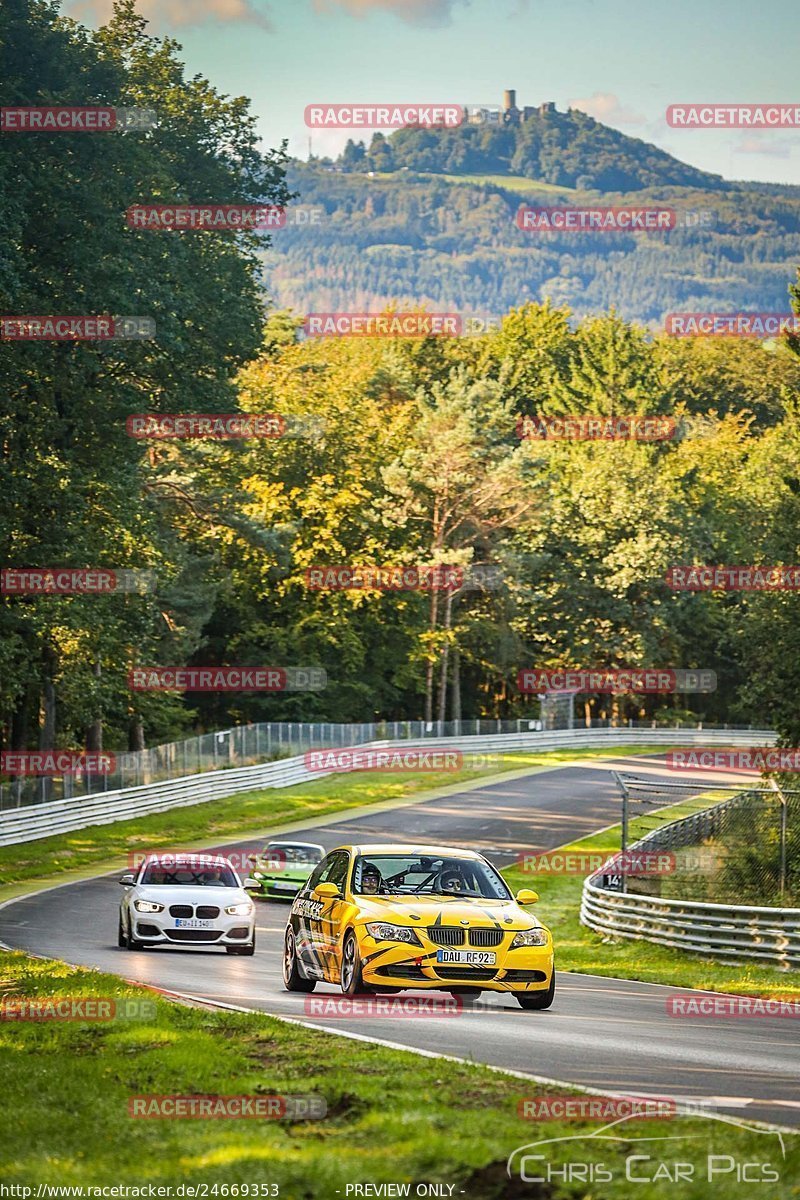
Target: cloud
column 608, row 108
column 175, row 13
column 754, row 143
column 413, row 12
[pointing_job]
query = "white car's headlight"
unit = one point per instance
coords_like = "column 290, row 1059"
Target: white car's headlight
column 392, row 933
column 240, row 910
column 529, row 937
column 147, row 906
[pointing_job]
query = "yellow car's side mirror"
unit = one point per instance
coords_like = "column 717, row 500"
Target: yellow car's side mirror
column 526, row 896
column 326, row 891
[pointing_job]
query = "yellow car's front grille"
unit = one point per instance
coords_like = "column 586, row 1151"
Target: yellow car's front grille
column 451, row 935
column 485, row 937
column 446, row 935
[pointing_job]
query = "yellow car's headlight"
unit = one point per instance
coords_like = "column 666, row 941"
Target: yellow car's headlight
column 529, row 937
column 382, row 932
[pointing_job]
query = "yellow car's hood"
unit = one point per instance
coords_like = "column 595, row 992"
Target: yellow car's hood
column 442, row 910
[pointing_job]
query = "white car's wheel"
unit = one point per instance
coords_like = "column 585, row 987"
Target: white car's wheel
column 247, row 950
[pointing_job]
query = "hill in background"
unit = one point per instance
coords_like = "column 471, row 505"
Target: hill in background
column 427, row 217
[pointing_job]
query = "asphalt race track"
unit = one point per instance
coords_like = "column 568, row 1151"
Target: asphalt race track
column 603, row 1033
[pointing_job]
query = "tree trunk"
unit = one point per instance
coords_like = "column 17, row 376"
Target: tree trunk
column 94, row 734
column 429, row 666
column 47, row 728
column 455, row 692
column 448, row 613
column 136, row 734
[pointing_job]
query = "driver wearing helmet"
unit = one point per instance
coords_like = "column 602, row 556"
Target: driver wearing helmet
column 451, row 880
column 370, row 879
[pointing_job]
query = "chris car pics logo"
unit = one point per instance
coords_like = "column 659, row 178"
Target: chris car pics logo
column 647, row 1159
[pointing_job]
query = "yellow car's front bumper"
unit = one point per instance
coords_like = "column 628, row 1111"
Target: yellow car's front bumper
column 399, row 965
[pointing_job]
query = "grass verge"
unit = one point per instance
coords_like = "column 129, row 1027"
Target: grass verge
column 393, row 1117
column 257, row 813
column 580, row 949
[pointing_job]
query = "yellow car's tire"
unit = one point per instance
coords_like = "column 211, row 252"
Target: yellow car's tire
column 351, row 979
column 293, row 981
column 536, row 1000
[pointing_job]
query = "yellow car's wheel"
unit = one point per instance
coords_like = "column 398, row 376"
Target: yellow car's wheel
column 538, row 999
column 352, row 980
column 292, row 979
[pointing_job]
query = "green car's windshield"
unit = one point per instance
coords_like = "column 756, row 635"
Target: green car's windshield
column 427, row 875
column 285, row 854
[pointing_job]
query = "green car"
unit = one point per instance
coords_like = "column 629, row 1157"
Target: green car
column 283, row 867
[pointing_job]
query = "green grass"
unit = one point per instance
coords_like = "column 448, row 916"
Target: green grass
column 580, row 949
column 512, row 183
column 257, row 813
column 392, row 1116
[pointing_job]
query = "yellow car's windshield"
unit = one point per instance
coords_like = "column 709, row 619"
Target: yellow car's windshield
column 427, row 875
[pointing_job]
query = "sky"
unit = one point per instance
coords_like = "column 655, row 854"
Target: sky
column 621, row 62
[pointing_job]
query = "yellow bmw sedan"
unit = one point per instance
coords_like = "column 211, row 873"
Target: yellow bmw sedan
column 387, row 918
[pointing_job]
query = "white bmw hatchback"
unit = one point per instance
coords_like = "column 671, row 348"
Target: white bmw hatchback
column 187, row 900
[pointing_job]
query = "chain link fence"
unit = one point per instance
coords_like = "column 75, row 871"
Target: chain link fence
column 730, row 845
column 245, row 745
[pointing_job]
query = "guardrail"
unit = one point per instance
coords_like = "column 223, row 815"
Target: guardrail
column 104, row 808
column 730, row 931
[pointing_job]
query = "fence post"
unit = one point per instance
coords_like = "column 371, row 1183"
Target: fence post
column 782, row 869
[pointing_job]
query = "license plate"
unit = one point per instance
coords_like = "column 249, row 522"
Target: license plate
column 285, row 887
column 191, row 923
column 468, row 958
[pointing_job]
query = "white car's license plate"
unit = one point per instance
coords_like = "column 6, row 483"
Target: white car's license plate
column 468, row 958
column 191, row 923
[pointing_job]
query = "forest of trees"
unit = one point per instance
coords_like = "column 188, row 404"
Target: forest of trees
column 407, row 453
column 568, row 149
column 453, row 244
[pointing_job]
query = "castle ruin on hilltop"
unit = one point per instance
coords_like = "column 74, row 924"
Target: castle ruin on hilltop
column 508, row 114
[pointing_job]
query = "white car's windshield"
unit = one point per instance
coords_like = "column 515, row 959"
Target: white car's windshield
column 211, row 876
column 427, row 875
